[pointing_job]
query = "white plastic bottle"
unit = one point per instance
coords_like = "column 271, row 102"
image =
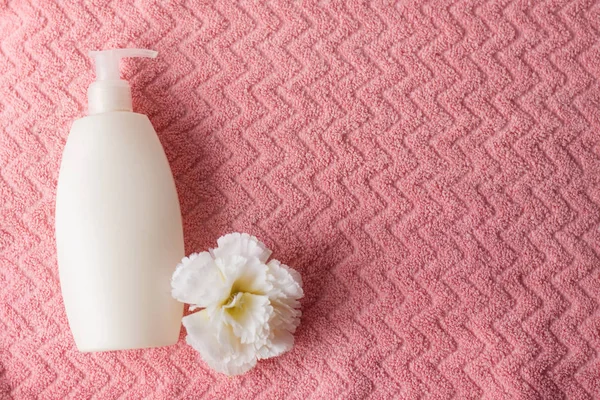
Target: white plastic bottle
column 118, row 224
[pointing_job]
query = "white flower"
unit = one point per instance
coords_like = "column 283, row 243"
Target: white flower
column 250, row 307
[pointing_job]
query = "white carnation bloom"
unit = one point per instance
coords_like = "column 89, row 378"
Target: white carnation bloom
column 250, row 308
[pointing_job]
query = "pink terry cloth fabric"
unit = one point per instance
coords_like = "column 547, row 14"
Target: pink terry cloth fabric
column 432, row 169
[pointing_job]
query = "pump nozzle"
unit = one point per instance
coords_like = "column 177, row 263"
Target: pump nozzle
column 109, row 92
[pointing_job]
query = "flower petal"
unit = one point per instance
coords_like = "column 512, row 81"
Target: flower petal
column 198, row 281
column 285, row 281
column 243, row 245
column 231, row 266
column 253, row 278
column 217, row 344
column 249, row 315
column 286, row 314
column 279, row 342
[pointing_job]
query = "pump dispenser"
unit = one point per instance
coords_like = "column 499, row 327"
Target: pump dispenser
column 109, row 92
column 119, row 234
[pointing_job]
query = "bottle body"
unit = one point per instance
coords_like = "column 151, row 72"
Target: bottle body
column 119, row 234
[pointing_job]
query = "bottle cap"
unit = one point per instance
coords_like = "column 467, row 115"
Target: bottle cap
column 109, row 92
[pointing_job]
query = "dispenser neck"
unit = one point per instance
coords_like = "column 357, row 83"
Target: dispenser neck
column 106, row 96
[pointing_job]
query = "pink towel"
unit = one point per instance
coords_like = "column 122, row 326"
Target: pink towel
column 431, row 169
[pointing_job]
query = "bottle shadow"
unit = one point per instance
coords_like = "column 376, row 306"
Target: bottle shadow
column 218, row 195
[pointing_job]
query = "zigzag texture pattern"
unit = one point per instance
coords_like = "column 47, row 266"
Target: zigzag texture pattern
column 431, row 168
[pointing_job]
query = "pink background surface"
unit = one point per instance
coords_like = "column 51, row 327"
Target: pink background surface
column 432, row 170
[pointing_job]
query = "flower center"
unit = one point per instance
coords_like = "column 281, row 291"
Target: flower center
column 234, row 305
column 230, row 299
